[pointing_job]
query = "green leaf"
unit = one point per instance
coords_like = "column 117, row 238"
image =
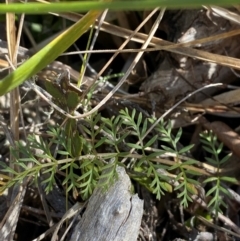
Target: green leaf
column 96, row 119
column 214, row 202
column 192, row 181
column 21, row 164
column 178, row 136
column 186, row 149
column 70, row 187
column 158, row 193
column 51, row 169
column 69, row 145
column 64, row 153
column 179, row 186
column 175, row 166
column 225, row 191
column 149, row 171
column 229, row 179
column 124, row 112
column 192, row 189
column 74, row 165
column 86, row 163
column 116, row 120
column 99, row 143
column 166, row 186
column 168, row 149
column 164, row 167
column 55, row 91
column 151, row 141
column 106, row 121
column 77, row 144
column 98, row 130
column 83, row 176
column 133, row 114
column 6, row 168
column 210, row 179
column 212, row 190
column 134, row 146
column 86, row 129
column 154, row 182
column 189, row 199
column 66, row 179
column 164, row 138
column 65, row 166
column 180, row 194
column 209, row 150
column 226, row 158
column 205, row 142
column 192, row 172
column 72, row 100
column 211, row 161
column 220, row 147
column 139, row 120
column 120, row 140
column 189, row 162
column 32, row 159
column 214, row 137
column 169, row 127
column 144, row 127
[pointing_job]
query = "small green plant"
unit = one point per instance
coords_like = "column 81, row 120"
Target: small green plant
column 186, row 183
column 104, row 143
column 214, row 148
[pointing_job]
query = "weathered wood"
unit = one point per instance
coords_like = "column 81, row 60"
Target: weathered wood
column 179, row 75
column 113, row 215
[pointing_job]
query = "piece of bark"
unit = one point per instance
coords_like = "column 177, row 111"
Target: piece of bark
column 179, row 75
column 114, row 214
column 9, row 223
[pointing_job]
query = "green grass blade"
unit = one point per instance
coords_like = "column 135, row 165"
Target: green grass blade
column 48, row 54
column 33, row 8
